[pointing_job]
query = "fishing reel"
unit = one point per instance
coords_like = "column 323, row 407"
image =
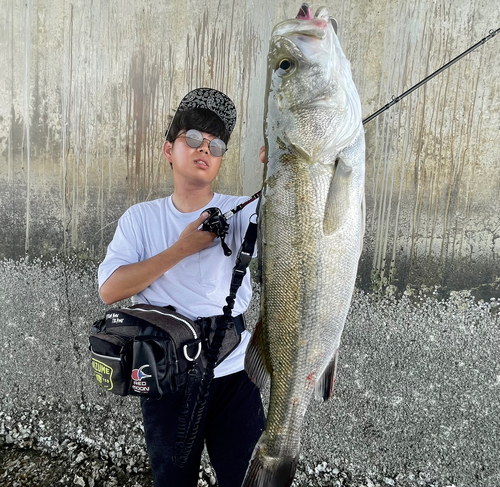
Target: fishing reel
column 217, row 223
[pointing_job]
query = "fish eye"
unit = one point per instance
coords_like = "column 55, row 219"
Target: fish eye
column 285, row 66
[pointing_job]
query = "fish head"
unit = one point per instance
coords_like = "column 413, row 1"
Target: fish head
column 312, row 105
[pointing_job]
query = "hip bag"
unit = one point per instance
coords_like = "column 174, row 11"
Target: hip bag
column 146, row 350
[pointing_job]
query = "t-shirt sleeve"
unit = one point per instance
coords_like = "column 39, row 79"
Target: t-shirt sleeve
column 125, row 248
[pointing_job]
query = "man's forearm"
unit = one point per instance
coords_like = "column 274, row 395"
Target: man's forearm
column 131, row 279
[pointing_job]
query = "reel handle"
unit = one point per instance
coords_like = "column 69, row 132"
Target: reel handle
column 216, row 223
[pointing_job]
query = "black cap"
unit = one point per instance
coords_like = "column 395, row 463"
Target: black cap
column 213, row 100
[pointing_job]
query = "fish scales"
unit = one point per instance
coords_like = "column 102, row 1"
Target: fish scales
column 311, row 224
column 289, row 305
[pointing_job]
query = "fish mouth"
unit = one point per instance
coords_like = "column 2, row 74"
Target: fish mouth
column 305, row 13
column 305, row 24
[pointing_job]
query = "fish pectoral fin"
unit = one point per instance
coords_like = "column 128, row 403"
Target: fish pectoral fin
column 256, row 365
column 324, row 387
column 335, row 208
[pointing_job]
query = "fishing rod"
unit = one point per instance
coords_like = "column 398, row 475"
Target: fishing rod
column 425, row 80
column 394, row 100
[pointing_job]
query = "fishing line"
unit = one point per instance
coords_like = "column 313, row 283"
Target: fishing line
column 397, row 99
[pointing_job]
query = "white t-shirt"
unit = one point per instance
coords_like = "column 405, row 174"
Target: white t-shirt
column 199, row 284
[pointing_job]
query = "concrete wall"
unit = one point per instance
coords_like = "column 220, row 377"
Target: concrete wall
column 89, row 88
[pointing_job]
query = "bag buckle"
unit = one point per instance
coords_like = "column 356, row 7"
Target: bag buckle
column 186, row 355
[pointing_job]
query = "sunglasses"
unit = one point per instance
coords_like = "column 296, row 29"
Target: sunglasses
column 194, row 139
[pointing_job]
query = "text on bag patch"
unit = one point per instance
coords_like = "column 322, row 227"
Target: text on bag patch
column 115, row 319
column 138, row 385
column 103, row 374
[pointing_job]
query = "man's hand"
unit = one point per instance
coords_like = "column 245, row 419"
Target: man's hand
column 192, row 240
column 262, row 154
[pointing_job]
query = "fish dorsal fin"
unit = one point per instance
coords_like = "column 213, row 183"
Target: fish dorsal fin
column 256, row 365
column 324, row 387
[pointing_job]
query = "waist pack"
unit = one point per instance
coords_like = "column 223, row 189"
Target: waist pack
column 146, row 350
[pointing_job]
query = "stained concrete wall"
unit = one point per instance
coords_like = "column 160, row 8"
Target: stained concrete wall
column 89, row 88
column 87, row 94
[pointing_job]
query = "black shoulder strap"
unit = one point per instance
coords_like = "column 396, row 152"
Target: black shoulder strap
column 186, row 435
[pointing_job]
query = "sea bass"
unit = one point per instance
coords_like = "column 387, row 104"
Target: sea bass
column 311, row 225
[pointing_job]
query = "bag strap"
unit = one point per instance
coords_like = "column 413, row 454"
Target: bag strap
column 186, row 434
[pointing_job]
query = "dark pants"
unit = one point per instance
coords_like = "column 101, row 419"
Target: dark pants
column 232, row 422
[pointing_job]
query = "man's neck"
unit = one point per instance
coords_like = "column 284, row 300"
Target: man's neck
column 191, row 199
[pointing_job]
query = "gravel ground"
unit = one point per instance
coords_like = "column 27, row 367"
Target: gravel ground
column 415, row 405
column 29, row 459
column 74, row 466
column 33, row 452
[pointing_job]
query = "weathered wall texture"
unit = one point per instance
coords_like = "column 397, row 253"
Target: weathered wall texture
column 87, row 92
column 433, row 161
column 89, row 87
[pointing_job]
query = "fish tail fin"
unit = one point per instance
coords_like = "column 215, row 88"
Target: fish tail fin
column 265, row 471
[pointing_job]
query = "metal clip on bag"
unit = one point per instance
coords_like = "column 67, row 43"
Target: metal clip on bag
column 145, row 350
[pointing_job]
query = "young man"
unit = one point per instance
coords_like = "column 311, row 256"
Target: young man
column 160, row 256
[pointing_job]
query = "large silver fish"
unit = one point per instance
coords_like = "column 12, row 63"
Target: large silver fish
column 311, row 225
